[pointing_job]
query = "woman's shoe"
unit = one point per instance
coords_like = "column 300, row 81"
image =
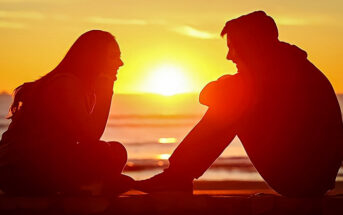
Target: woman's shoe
column 165, row 182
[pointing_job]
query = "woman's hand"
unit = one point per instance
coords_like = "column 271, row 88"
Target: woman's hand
column 109, row 77
column 104, row 84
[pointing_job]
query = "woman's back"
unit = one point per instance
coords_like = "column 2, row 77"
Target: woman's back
column 39, row 119
column 35, row 136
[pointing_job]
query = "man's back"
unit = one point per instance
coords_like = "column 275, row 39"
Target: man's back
column 292, row 128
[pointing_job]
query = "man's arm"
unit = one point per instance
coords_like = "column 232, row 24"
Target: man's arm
column 218, row 127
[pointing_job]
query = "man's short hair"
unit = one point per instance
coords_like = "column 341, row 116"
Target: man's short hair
column 255, row 26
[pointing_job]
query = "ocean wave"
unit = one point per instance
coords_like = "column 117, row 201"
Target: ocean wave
column 229, row 163
column 239, row 163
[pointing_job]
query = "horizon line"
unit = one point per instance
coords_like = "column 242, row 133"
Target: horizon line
column 4, row 92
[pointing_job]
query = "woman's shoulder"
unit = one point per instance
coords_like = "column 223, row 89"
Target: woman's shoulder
column 64, row 77
column 61, row 88
column 63, row 81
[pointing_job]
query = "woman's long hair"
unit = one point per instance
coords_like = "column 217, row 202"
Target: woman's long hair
column 82, row 59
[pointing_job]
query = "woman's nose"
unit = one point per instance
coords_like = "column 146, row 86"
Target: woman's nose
column 121, row 63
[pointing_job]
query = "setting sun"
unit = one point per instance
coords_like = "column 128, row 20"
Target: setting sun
column 167, row 80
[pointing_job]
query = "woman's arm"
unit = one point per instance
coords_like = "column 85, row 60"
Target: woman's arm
column 66, row 106
column 103, row 93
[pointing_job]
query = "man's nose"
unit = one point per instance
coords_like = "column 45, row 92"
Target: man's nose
column 229, row 56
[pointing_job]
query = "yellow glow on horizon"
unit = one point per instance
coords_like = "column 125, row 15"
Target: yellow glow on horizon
column 167, row 80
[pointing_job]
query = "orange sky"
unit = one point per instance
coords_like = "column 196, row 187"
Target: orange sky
column 181, row 34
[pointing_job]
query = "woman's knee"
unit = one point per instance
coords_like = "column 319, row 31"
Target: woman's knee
column 119, row 152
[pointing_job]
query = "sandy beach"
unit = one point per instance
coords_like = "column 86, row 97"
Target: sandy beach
column 209, row 197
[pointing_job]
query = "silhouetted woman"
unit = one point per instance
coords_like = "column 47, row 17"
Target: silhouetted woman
column 53, row 142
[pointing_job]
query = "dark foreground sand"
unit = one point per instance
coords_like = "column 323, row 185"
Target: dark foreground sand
column 226, row 197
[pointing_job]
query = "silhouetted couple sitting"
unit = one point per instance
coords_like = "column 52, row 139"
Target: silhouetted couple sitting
column 283, row 109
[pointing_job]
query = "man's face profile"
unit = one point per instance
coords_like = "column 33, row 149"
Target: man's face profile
column 233, row 54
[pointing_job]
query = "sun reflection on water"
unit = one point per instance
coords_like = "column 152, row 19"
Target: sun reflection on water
column 163, row 156
column 165, row 140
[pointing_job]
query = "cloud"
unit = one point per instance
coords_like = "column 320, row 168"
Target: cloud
column 12, row 25
column 288, row 21
column 157, row 22
column 60, row 17
column 192, row 32
column 21, row 15
column 314, row 20
column 22, row 1
column 113, row 21
column 10, row 1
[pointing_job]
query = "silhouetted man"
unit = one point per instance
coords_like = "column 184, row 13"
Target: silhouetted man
column 283, row 109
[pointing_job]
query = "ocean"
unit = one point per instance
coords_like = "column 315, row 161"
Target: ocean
column 151, row 126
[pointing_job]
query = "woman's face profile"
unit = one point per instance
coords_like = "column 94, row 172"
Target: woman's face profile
column 112, row 61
